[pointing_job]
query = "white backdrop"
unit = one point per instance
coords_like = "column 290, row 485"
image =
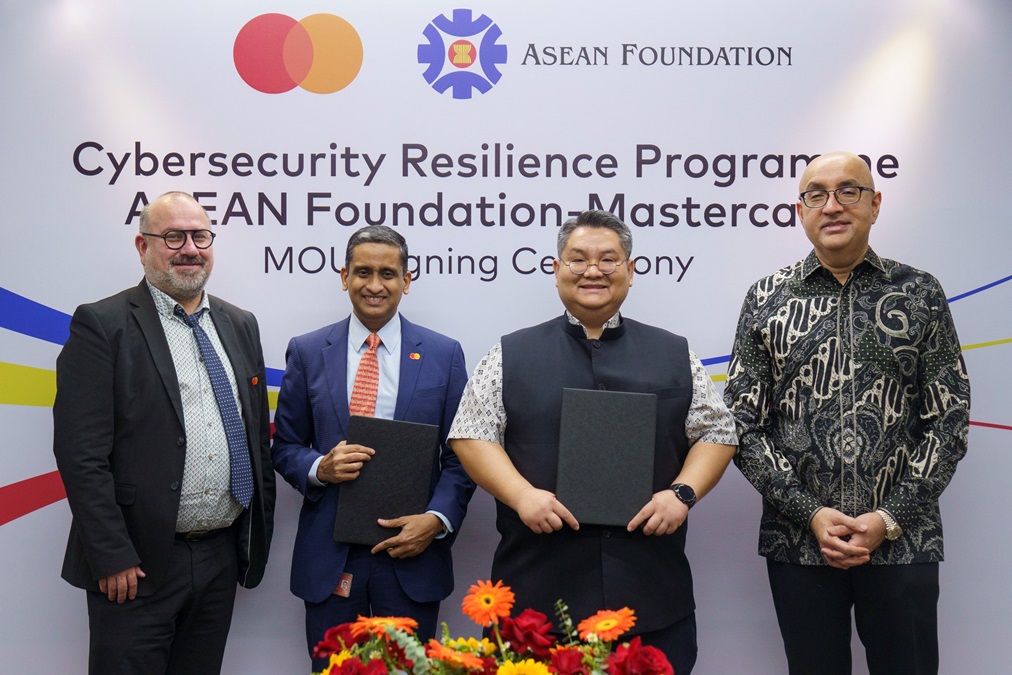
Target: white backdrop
column 918, row 86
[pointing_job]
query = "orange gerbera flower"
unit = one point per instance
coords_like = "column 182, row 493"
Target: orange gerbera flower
column 435, row 650
column 607, row 624
column 486, row 603
column 377, row 625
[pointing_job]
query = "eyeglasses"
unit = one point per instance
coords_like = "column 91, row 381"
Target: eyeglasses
column 580, row 266
column 176, row 239
column 851, row 194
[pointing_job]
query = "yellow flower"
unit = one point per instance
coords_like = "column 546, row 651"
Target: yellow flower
column 607, row 624
column 486, row 603
column 485, row 647
column 525, row 667
column 434, row 650
column 336, row 660
column 377, row 625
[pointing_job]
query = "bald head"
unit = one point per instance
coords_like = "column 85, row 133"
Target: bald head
column 846, row 161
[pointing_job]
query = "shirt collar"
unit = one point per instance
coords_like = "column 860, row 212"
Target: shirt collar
column 812, row 263
column 613, row 322
column 390, row 334
column 166, row 306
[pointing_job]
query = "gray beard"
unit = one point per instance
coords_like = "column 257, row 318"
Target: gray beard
column 179, row 287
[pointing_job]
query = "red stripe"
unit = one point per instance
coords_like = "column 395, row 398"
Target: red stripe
column 993, row 426
column 20, row 499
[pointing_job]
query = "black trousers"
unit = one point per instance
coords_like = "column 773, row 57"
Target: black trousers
column 179, row 629
column 895, row 610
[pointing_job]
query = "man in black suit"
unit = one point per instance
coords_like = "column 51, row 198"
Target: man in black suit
column 161, row 435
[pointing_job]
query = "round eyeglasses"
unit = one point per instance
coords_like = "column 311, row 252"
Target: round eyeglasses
column 176, row 239
column 580, row 266
column 851, row 194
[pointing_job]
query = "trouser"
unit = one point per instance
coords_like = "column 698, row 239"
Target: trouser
column 895, row 610
column 181, row 627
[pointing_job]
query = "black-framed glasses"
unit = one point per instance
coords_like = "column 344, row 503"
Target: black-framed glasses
column 849, row 194
column 579, row 266
column 176, row 239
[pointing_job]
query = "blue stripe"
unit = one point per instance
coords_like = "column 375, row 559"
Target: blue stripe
column 28, row 317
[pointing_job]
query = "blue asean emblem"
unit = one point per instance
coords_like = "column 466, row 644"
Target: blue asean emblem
column 462, row 54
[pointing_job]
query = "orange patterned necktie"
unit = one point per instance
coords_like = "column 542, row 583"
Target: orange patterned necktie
column 363, row 392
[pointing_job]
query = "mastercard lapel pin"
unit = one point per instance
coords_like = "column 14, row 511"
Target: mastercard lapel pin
column 414, row 356
column 254, row 380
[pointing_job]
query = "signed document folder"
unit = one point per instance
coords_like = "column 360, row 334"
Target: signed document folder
column 394, row 483
column 606, row 454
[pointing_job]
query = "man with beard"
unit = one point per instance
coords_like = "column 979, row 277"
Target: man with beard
column 161, row 435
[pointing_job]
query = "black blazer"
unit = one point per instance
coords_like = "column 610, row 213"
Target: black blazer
column 120, row 444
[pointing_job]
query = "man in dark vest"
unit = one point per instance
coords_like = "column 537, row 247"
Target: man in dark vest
column 544, row 553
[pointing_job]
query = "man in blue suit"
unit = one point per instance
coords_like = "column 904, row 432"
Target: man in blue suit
column 421, row 378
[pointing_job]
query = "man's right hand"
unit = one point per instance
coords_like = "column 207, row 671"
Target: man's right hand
column 343, row 462
column 833, row 529
column 542, row 512
column 121, row 586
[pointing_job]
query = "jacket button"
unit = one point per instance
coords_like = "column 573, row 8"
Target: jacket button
column 175, row 485
column 181, row 441
column 602, row 386
column 606, row 534
column 596, row 344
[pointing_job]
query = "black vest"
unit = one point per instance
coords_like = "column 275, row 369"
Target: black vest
column 596, row 567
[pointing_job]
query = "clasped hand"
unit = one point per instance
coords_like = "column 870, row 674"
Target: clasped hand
column 847, row 542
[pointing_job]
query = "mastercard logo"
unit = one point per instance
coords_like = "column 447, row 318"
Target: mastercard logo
column 274, row 53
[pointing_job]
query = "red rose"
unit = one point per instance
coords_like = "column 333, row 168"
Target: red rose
column 336, row 639
column 488, row 666
column 528, row 634
column 635, row 658
column 567, row 661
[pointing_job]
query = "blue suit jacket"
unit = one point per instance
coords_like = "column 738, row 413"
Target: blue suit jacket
column 312, row 417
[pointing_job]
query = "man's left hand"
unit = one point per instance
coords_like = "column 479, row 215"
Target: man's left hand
column 663, row 514
column 417, row 532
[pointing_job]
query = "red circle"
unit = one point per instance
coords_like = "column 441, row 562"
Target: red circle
column 461, row 54
column 262, row 47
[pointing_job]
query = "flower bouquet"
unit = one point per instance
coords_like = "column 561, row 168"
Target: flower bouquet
column 523, row 645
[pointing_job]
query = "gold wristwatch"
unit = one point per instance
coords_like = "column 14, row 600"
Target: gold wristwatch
column 893, row 529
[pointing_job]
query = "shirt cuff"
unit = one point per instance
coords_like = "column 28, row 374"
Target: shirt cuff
column 447, row 529
column 311, row 478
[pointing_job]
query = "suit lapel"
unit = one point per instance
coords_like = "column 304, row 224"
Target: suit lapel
column 335, row 363
column 411, row 365
column 144, row 312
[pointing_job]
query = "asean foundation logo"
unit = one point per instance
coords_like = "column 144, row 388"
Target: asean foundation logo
column 274, row 53
column 462, row 54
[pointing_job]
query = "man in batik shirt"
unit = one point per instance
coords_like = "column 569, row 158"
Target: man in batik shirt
column 852, row 407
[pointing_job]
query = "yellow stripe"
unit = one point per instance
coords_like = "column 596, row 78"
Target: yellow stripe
column 23, row 385
column 987, row 344
column 719, row 378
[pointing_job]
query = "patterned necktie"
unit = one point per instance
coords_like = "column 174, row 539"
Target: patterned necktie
column 367, row 379
column 241, row 474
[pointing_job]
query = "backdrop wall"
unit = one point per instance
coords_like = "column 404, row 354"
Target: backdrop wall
column 475, row 130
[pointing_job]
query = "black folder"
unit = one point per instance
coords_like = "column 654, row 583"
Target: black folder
column 394, row 483
column 606, row 454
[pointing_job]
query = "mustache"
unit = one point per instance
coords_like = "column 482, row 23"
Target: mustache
column 188, row 260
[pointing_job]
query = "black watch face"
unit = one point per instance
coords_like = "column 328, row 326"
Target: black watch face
column 686, row 494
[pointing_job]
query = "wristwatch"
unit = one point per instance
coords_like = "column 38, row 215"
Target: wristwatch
column 893, row 529
column 685, row 494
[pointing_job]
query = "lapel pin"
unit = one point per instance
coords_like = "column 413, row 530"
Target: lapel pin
column 414, row 356
column 254, row 380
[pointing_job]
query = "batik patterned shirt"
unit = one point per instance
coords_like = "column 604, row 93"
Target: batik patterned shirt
column 851, row 396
